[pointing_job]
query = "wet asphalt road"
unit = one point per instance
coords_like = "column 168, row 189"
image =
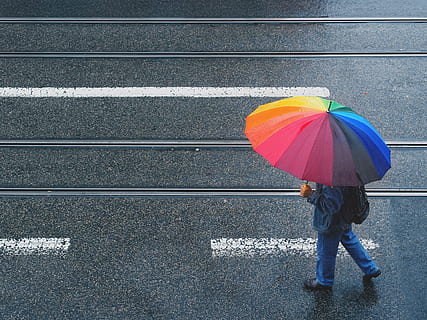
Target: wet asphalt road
column 134, row 258
column 370, row 85
column 214, row 37
column 150, row 257
column 233, row 8
column 166, row 168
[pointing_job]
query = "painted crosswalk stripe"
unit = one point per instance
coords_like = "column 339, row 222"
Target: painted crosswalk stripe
column 34, row 246
column 195, row 92
column 226, row 247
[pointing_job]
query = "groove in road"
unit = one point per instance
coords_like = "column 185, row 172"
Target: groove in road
column 175, row 144
column 171, row 20
column 216, row 54
column 187, row 192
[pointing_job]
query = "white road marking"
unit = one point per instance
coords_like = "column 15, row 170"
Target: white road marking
column 196, row 92
column 34, row 246
column 226, row 247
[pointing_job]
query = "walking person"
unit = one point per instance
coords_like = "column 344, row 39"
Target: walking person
column 323, row 141
column 332, row 229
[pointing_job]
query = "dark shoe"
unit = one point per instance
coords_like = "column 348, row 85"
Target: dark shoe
column 368, row 277
column 312, row 284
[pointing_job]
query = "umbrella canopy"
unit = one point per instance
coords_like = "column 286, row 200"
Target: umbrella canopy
column 318, row 140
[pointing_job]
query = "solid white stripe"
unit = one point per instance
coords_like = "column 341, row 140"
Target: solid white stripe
column 38, row 246
column 198, row 92
column 226, row 247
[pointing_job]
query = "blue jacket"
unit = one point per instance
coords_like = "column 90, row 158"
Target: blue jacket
column 328, row 202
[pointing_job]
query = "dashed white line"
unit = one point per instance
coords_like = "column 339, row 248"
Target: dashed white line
column 227, row 247
column 34, row 246
column 196, row 92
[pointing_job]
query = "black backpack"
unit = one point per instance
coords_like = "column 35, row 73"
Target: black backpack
column 356, row 205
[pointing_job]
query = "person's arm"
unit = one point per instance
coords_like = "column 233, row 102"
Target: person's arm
column 328, row 200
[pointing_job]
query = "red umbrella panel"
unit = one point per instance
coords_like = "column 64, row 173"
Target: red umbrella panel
column 318, row 140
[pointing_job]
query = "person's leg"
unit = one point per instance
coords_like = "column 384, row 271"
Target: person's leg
column 351, row 243
column 327, row 248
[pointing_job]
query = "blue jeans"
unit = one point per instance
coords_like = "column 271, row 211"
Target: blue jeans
column 327, row 248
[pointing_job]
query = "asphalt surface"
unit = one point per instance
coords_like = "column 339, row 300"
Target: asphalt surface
column 368, row 85
column 150, row 257
column 180, row 168
column 192, row 8
column 214, row 37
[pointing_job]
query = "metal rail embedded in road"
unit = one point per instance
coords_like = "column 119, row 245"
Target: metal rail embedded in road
column 214, row 54
column 172, row 20
column 176, row 144
column 185, row 192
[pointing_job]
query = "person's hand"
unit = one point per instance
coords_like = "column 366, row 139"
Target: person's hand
column 305, row 190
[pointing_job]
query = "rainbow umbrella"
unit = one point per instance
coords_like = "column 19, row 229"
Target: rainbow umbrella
column 318, row 140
